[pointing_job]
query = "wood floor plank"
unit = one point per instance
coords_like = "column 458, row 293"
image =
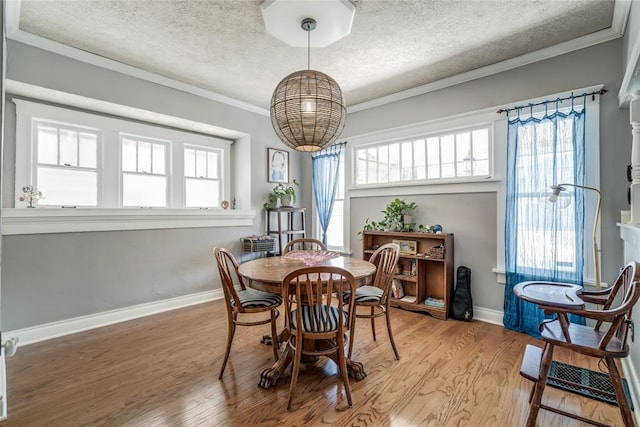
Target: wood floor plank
column 162, row 370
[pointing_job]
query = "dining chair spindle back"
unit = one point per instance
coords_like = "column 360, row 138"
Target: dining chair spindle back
column 241, row 301
column 316, row 312
column 376, row 295
column 304, row 244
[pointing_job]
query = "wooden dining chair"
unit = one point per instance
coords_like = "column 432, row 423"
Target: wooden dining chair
column 606, row 340
column 304, row 244
column 241, row 300
column 320, row 316
column 376, row 295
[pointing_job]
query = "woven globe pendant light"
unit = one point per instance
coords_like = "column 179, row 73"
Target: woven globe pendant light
column 307, row 108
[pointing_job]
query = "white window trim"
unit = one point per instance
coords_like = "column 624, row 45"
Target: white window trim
column 221, row 165
column 483, row 118
column 43, row 221
column 58, row 220
column 408, row 188
column 439, row 133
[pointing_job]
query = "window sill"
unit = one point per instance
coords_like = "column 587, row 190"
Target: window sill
column 589, row 284
column 409, row 188
column 57, row 220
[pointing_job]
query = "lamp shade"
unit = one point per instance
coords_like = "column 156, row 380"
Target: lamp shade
column 307, row 110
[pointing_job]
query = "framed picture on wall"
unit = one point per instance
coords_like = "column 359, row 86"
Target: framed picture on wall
column 277, row 165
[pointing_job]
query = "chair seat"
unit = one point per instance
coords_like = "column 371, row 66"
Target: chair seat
column 253, row 298
column 584, row 337
column 365, row 294
column 319, row 314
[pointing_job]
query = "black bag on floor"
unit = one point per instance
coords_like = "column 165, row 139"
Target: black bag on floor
column 462, row 305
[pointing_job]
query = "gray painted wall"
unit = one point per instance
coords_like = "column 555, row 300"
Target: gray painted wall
column 183, row 274
column 601, row 64
column 471, row 217
column 84, row 273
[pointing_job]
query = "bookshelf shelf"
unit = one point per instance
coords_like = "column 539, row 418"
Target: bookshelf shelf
column 433, row 276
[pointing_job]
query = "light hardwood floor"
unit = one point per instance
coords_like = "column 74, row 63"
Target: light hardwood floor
column 162, row 371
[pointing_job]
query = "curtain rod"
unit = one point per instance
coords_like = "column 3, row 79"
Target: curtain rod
column 572, row 96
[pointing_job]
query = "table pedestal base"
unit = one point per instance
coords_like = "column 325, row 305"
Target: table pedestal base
column 269, row 376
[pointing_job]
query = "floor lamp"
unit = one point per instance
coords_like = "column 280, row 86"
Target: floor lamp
column 555, row 192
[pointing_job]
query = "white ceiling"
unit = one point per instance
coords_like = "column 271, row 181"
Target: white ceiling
column 395, row 46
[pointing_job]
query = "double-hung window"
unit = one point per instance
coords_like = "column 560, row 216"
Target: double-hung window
column 66, row 164
column 86, row 160
column 144, row 172
column 202, row 177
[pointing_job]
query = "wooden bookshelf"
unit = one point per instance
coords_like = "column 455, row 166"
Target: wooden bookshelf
column 433, row 276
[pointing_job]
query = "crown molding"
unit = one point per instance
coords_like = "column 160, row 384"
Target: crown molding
column 618, row 26
column 14, row 33
column 530, row 58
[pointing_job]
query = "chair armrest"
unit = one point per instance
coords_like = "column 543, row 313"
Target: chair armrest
column 600, row 293
column 599, row 315
column 594, row 299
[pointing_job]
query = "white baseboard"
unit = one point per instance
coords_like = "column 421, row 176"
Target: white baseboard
column 488, row 315
column 47, row 331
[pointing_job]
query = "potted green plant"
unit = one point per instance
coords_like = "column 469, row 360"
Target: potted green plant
column 370, row 226
column 285, row 193
column 398, row 215
column 407, row 216
column 272, row 201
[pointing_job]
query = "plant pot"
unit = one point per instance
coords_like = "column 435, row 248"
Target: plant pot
column 285, row 200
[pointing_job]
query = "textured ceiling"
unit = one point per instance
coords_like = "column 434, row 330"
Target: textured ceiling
column 394, row 45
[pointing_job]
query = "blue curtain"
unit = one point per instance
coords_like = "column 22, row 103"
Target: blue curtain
column 325, row 167
column 543, row 240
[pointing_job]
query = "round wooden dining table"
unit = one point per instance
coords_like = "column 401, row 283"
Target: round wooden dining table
column 267, row 274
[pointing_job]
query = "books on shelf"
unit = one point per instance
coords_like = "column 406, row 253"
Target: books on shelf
column 434, row 302
column 409, row 268
column 396, row 289
column 406, row 269
column 408, row 298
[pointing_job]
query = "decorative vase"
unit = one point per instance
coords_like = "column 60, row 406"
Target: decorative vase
column 285, row 200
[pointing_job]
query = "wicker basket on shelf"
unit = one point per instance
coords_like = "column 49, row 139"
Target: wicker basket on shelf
column 258, row 244
column 437, row 252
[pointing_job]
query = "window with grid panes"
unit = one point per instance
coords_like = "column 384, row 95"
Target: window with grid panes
column 144, row 172
column 448, row 156
column 66, row 164
column 109, row 167
column 202, row 177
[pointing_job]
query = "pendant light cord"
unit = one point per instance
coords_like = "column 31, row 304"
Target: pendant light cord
column 308, row 49
column 308, row 24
